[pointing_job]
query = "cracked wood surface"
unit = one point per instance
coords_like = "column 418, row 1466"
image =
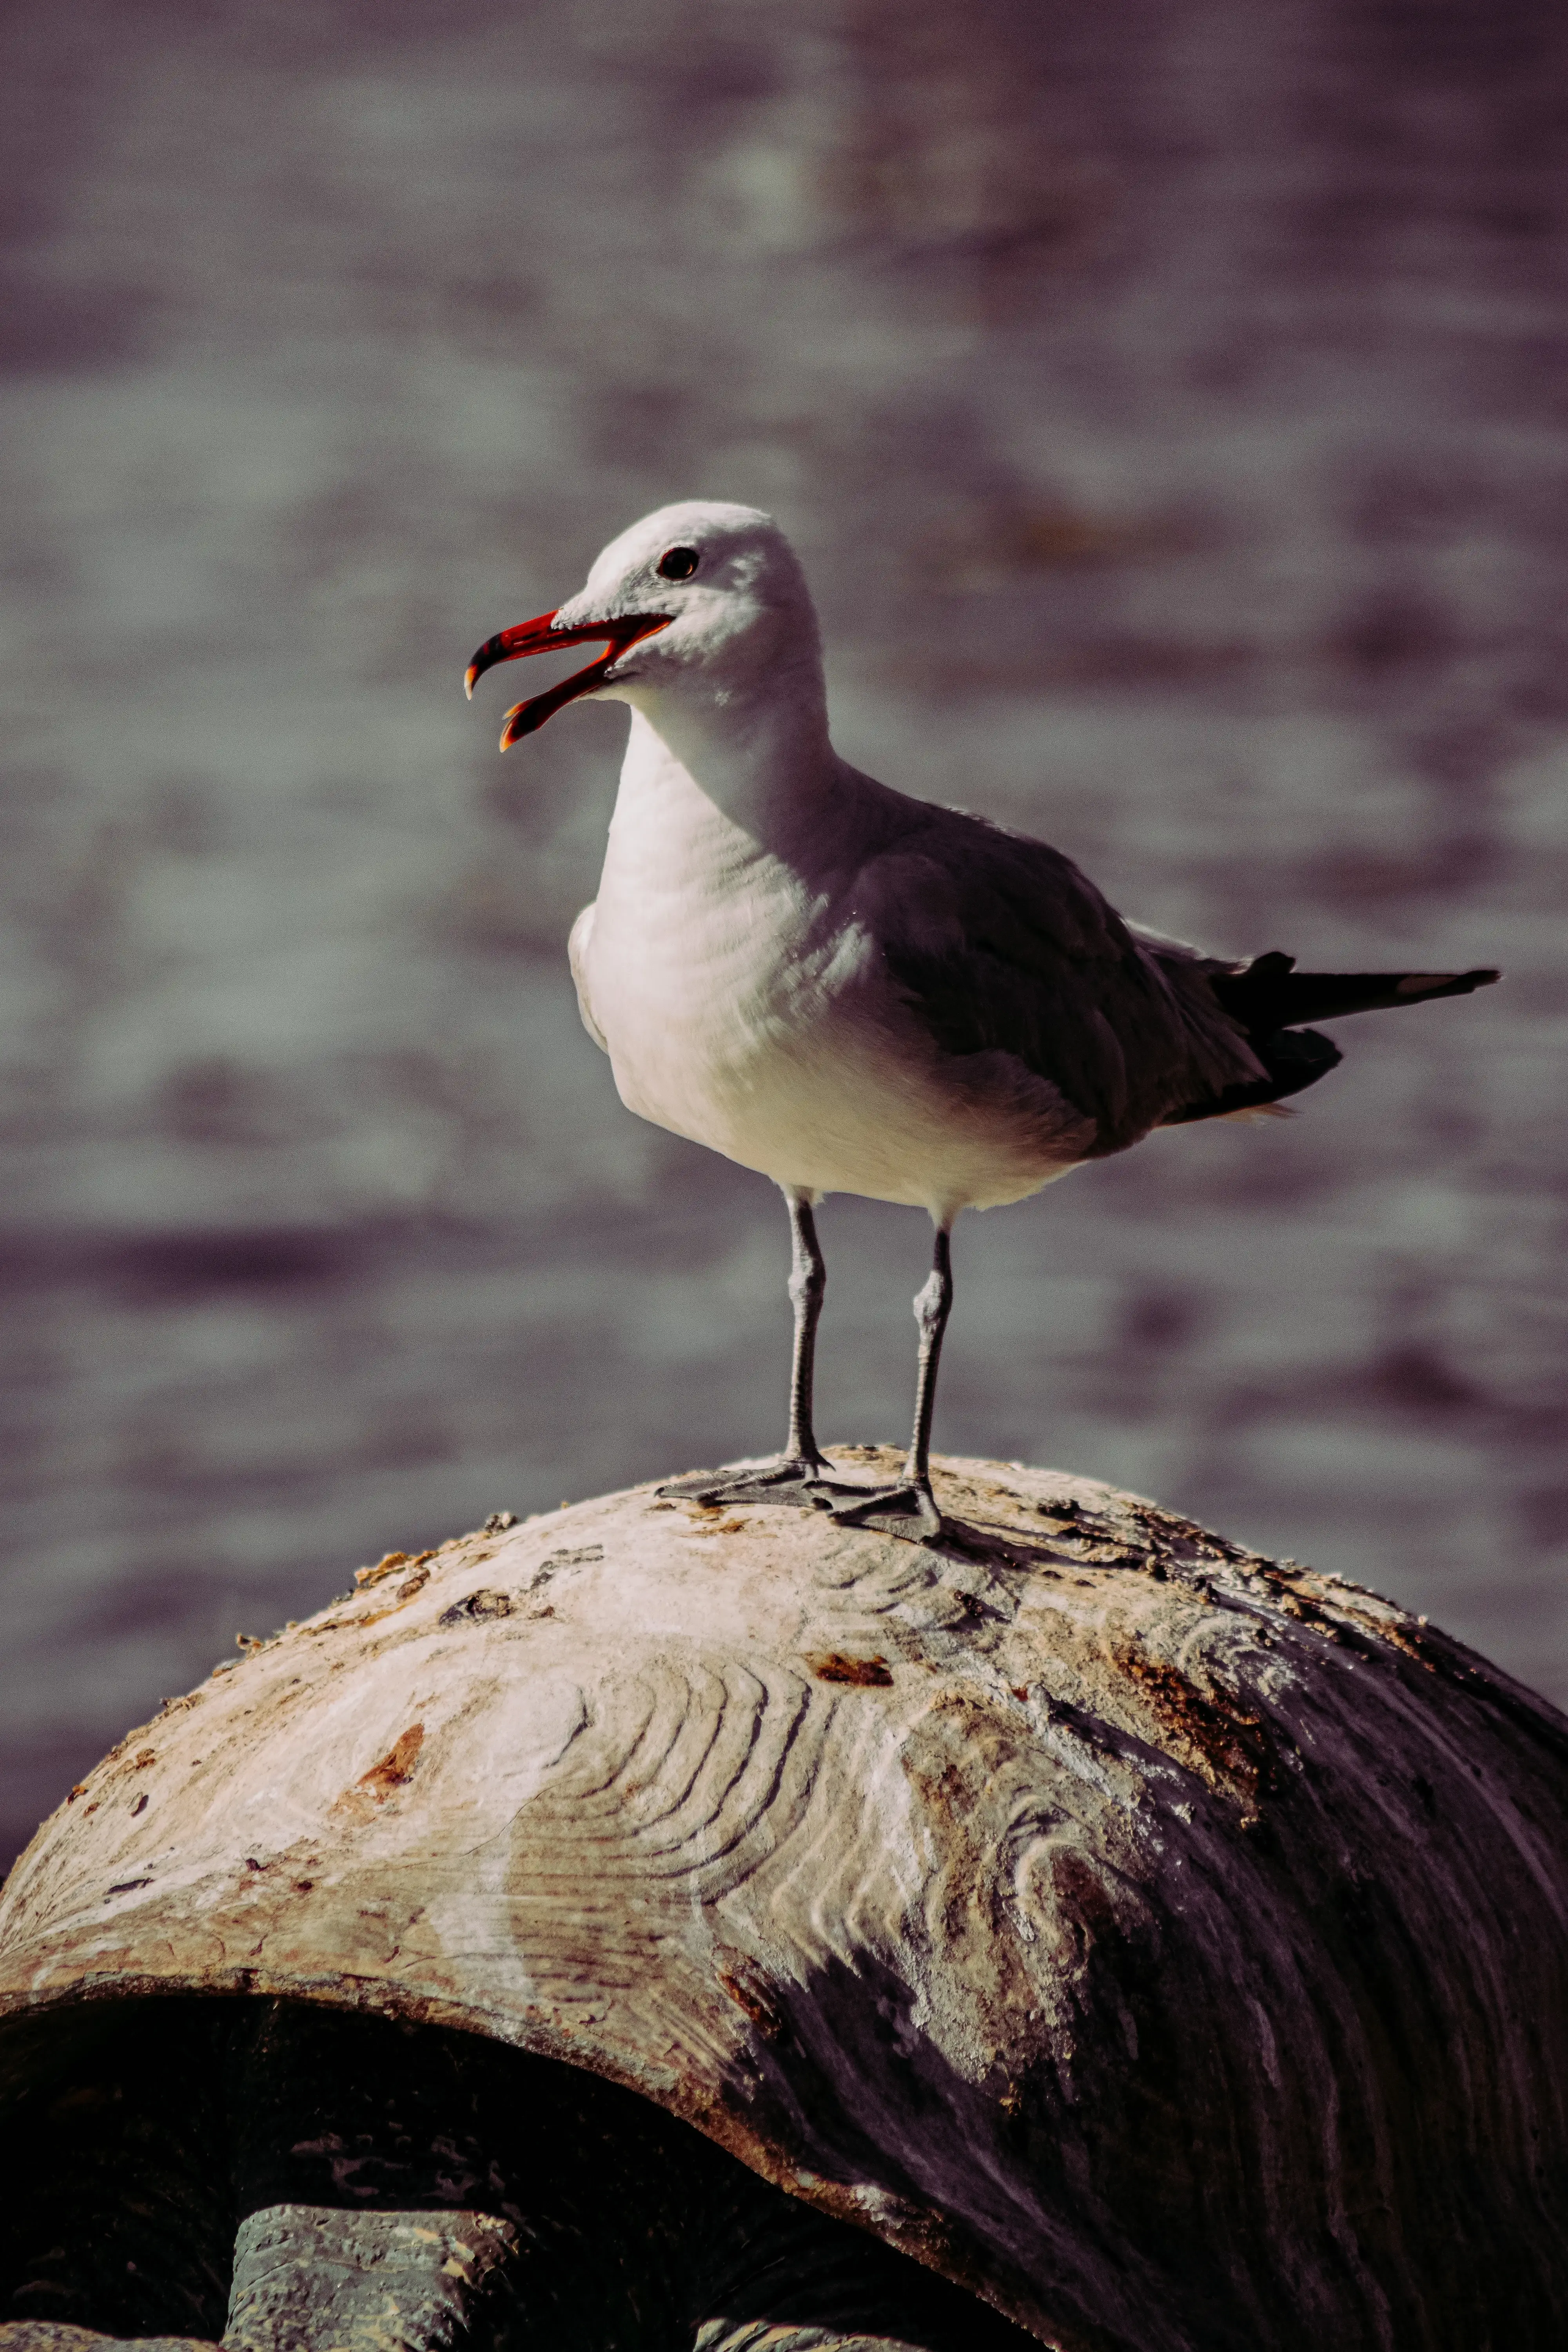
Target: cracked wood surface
column 1164, row 1942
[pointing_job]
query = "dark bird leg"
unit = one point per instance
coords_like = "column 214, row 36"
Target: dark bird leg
column 909, row 1508
column 807, row 1289
column 801, row 1473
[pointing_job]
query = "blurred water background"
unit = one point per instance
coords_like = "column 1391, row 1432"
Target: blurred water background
column 1168, row 399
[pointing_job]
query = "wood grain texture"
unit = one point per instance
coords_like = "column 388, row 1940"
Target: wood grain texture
column 1165, row 1943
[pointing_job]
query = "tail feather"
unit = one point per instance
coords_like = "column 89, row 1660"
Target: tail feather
column 1270, row 997
column 1293, row 1058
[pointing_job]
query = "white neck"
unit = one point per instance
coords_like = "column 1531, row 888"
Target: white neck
column 762, row 761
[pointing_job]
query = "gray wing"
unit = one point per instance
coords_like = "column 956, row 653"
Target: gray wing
column 999, row 943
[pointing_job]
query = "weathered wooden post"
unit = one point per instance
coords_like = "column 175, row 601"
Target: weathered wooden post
column 1162, row 1945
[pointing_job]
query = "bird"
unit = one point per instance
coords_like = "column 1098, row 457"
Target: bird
column 849, row 990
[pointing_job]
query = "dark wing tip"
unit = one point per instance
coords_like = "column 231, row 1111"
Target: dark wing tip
column 1269, row 995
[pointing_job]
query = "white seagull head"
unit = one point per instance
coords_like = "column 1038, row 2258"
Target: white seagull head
column 702, row 601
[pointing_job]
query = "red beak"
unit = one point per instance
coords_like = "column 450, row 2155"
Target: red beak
column 542, row 637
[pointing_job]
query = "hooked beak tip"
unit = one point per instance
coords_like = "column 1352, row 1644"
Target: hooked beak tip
column 522, row 719
column 543, row 635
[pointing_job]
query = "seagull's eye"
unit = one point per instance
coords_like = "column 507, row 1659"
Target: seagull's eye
column 678, row 563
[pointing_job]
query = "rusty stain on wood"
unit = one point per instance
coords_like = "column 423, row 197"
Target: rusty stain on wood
column 833, row 1666
column 387, row 1565
column 397, row 1765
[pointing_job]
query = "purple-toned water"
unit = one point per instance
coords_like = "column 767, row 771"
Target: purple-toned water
column 1171, row 401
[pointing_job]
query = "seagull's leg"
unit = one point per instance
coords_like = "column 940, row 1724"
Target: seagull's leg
column 807, row 1289
column 802, row 1473
column 933, row 1304
column 909, row 1508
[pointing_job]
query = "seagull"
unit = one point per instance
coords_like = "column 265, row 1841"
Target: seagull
column 850, row 991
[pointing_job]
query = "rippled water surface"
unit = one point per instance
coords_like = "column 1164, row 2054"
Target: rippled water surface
column 1169, row 401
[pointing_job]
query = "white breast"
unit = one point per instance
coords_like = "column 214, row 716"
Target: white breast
column 743, row 1008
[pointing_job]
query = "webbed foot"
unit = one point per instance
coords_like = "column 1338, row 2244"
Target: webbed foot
column 908, row 1509
column 805, row 1481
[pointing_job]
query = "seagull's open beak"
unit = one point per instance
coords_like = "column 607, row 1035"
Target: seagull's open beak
column 542, row 637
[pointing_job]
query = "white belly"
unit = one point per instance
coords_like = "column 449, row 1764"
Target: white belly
column 771, row 1036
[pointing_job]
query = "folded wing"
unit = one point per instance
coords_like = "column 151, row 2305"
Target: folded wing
column 999, row 944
